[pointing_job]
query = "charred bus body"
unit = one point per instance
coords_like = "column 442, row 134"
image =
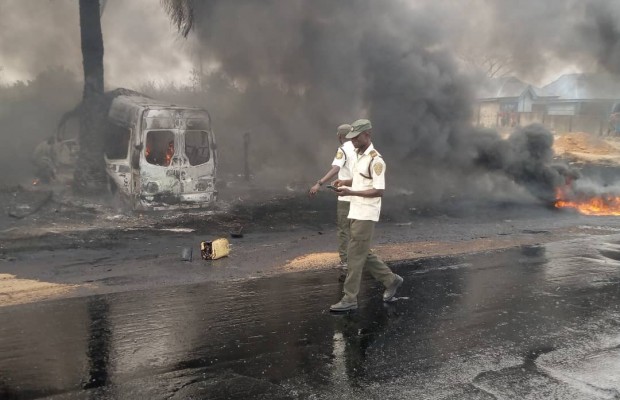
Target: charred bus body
column 159, row 155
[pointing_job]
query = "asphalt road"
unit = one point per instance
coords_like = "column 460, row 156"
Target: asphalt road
column 532, row 322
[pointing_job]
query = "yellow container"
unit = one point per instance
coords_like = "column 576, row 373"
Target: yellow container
column 215, row 249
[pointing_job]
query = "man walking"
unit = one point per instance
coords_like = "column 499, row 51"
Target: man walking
column 341, row 166
column 366, row 189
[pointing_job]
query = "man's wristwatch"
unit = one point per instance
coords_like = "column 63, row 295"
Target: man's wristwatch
column 319, row 183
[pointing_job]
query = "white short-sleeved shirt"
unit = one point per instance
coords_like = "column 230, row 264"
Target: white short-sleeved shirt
column 344, row 159
column 368, row 173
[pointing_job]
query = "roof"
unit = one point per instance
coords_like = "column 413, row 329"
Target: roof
column 583, row 87
column 142, row 101
column 132, row 98
column 125, row 106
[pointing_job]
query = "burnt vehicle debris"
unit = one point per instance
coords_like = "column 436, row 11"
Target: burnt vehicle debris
column 158, row 155
column 55, row 157
column 212, row 250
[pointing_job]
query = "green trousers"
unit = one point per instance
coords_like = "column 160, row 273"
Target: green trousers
column 360, row 257
column 344, row 229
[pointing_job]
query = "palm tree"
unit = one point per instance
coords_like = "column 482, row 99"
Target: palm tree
column 181, row 13
column 89, row 174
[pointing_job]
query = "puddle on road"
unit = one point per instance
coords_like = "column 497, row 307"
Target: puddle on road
column 273, row 337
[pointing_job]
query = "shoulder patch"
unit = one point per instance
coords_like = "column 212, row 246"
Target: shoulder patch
column 339, row 155
column 378, row 168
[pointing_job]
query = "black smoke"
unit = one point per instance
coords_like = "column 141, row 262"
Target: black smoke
column 29, row 114
column 305, row 67
column 604, row 33
column 527, row 158
column 541, row 38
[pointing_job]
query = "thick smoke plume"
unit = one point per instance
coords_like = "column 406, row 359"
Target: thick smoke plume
column 29, row 112
column 306, row 67
column 537, row 40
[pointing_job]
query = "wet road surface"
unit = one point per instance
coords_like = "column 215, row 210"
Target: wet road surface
column 535, row 322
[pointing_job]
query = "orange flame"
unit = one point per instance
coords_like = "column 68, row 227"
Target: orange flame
column 606, row 204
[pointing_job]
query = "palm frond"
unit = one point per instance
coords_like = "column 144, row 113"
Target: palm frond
column 181, row 13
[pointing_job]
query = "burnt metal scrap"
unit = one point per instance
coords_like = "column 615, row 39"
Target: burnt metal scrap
column 27, row 203
column 187, row 254
column 157, row 155
column 171, row 160
column 212, row 250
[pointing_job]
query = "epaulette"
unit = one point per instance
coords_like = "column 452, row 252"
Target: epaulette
column 373, row 154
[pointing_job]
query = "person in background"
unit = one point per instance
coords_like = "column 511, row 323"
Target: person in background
column 44, row 161
column 342, row 167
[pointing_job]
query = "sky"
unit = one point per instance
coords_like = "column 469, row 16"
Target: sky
column 140, row 44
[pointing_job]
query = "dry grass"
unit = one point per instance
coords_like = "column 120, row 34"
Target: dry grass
column 311, row 261
column 584, row 143
column 18, row 291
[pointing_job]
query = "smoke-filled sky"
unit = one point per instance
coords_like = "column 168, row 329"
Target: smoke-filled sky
column 290, row 71
column 140, row 44
column 398, row 63
column 542, row 38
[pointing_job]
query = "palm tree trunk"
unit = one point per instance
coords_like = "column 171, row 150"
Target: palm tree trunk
column 90, row 174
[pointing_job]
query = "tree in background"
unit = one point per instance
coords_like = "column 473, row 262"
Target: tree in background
column 181, row 13
column 489, row 65
column 90, row 176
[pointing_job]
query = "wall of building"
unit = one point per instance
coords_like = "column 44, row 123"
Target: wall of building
column 525, row 102
column 488, row 114
column 559, row 123
column 562, row 108
column 590, row 123
column 527, row 118
column 561, row 117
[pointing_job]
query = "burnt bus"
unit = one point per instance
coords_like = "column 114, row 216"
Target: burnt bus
column 159, row 155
